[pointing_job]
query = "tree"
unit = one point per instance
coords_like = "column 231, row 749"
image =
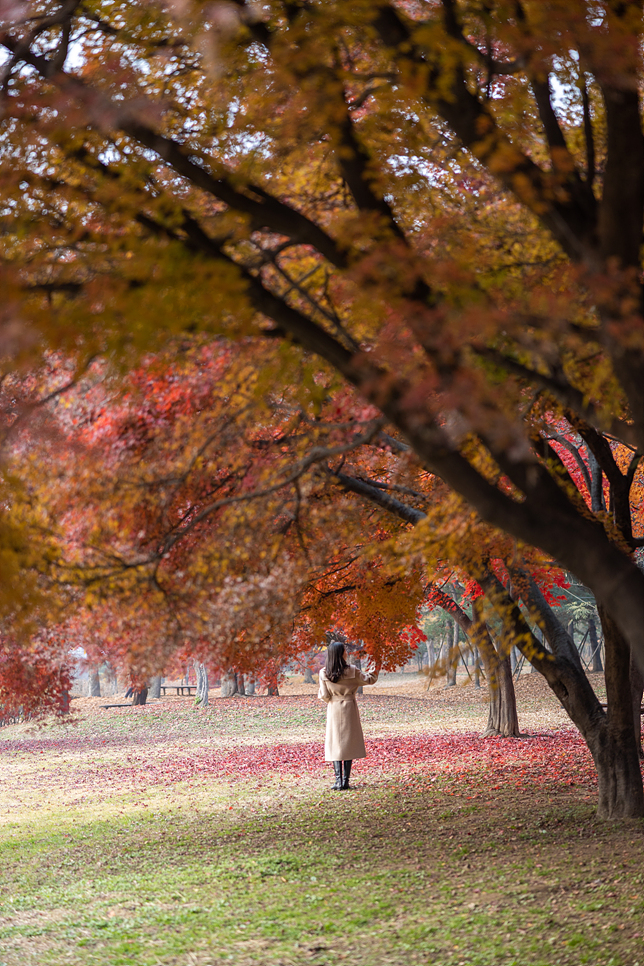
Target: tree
column 394, row 190
column 188, row 524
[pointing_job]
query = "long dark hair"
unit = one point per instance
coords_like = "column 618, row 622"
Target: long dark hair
column 335, row 662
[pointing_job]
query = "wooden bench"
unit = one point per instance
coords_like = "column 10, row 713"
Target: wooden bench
column 179, row 688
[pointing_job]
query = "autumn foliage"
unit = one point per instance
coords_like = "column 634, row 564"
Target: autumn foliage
column 420, row 224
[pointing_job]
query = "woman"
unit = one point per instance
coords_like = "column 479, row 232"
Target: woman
column 339, row 682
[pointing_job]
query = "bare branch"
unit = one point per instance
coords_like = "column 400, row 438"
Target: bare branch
column 264, row 210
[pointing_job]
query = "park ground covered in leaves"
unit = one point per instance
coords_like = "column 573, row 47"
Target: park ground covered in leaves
column 172, row 835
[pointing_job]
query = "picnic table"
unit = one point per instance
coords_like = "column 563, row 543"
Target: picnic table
column 179, row 688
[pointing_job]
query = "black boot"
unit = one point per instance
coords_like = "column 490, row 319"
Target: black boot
column 347, row 772
column 337, row 768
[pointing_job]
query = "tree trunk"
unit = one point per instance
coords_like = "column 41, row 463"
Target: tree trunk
column 272, row 689
column 140, row 696
column 614, row 749
column 250, row 684
column 477, row 669
column 595, row 647
column 637, row 692
column 611, row 736
column 513, row 659
column 308, row 676
column 241, row 685
column 201, row 696
column 451, row 660
column 228, row 684
column 155, row 686
column 109, row 677
column 502, row 717
column 94, row 683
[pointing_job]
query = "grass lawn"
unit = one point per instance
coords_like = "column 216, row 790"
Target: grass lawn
column 166, row 835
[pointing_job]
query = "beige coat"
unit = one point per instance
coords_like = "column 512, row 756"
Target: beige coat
column 344, row 738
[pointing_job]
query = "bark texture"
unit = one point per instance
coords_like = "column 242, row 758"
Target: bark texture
column 228, row 684
column 94, row 683
column 155, row 687
column 140, row 696
column 614, row 747
column 502, row 717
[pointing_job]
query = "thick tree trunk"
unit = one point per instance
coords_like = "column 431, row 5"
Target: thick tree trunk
column 250, row 684
column 615, row 749
column 502, row 717
column 308, row 676
column 140, row 696
column 241, row 684
column 620, row 777
column 611, row 736
column 155, row 687
column 94, row 683
column 228, row 684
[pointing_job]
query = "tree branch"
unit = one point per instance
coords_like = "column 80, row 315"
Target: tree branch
column 569, row 214
column 542, row 613
column 402, row 510
column 563, row 391
column 588, row 135
column 104, row 112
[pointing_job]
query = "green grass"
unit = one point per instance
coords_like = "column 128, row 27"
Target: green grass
column 377, row 876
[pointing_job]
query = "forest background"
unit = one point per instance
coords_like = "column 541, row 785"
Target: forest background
column 310, row 311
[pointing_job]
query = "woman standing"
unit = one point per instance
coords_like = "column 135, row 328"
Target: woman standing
column 339, row 682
